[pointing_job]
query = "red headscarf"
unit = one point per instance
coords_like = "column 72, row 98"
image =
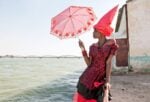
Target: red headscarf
column 103, row 26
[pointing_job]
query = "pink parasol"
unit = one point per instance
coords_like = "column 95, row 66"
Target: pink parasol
column 72, row 22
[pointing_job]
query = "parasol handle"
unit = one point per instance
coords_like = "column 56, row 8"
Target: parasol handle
column 77, row 37
column 114, row 39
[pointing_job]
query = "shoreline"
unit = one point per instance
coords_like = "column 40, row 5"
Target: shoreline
column 42, row 57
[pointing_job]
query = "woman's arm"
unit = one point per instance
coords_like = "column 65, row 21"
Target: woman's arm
column 108, row 68
column 87, row 58
column 114, row 47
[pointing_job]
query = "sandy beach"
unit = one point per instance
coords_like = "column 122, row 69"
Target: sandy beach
column 131, row 88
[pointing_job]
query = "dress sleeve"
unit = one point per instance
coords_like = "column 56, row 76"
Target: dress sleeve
column 114, row 48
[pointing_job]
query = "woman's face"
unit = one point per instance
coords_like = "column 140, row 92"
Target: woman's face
column 97, row 34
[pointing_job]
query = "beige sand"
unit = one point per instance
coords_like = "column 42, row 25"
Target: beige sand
column 131, row 88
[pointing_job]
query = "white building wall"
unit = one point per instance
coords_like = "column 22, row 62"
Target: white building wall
column 139, row 33
column 139, row 27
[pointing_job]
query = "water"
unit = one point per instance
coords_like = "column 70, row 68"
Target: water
column 39, row 79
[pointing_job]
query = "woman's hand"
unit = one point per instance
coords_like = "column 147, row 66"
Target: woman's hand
column 107, row 86
column 106, row 92
column 81, row 45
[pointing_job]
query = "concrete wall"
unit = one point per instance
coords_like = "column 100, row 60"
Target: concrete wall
column 121, row 33
column 139, row 27
column 139, row 33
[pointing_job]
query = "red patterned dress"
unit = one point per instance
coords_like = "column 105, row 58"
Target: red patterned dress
column 95, row 73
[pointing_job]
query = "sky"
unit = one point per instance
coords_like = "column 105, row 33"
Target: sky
column 25, row 26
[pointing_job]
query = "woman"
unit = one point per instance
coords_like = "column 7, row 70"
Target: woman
column 94, row 83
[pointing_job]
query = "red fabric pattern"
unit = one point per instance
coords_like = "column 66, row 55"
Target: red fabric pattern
column 79, row 98
column 97, row 70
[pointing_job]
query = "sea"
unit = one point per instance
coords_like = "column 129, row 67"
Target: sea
column 39, row 79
